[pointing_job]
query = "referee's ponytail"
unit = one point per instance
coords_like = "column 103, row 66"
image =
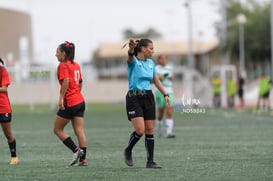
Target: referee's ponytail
column 1, row 61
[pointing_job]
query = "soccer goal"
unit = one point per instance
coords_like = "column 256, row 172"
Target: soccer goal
column 192, row 86
column 34, row 85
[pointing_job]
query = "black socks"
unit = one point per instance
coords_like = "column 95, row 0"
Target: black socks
column 70, row 144
column 134, row 138
column 12, row 148
column 83, row 157
column 149, row 145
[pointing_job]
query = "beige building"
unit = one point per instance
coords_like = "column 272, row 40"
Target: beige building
column 16, row 34
column 110, row 58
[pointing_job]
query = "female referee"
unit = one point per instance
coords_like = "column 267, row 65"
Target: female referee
column 71, row 103
column 5, row 113
column 140, row 104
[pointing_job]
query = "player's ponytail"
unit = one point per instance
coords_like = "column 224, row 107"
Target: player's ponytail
column 69, row 49
column 72, row 52
column 1, row 61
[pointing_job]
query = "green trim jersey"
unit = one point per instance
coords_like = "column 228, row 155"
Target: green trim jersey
column 166, row 72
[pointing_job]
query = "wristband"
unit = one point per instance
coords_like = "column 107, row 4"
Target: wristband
column 131, row 54
column 166, row 95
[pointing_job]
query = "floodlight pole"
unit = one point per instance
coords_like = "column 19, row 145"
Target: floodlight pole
column 223, row 32
column 190, row 50
column 190, row 39
column 241, row 18
column 271, row 25
column 224, row 55
column 242, row 48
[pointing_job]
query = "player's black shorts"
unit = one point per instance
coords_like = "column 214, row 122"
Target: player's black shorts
column 240, row 93
column 5, row 118
column 266, row 95
column 73, row 111
column 140, row 104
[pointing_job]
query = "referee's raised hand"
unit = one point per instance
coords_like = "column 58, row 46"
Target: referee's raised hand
column 132, row 45
column 131, row 51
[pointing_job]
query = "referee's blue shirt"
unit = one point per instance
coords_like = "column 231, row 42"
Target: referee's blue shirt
column 140, row 74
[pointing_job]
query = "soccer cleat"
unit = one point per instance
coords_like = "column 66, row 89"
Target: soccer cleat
column 14, row 161
column 82, row 163
column 76, row 156
column 171, row 135
column 128, row 158
column 152, row 164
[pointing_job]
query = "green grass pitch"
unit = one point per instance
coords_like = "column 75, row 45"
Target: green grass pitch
column 216, row 145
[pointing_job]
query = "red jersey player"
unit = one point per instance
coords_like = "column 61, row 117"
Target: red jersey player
column 71, row 103
column 5, row 112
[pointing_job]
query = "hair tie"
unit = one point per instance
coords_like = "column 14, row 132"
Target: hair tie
column 137, row 43
column 67, row 43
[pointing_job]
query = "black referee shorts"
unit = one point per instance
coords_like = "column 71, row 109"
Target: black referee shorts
column 5, row 118
column 73, row 111
column 140, row 105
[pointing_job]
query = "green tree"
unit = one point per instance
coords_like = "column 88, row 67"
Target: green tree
column 149, row 33
column 257, row 30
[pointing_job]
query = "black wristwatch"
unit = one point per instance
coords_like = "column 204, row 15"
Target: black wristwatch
column 166, row 95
